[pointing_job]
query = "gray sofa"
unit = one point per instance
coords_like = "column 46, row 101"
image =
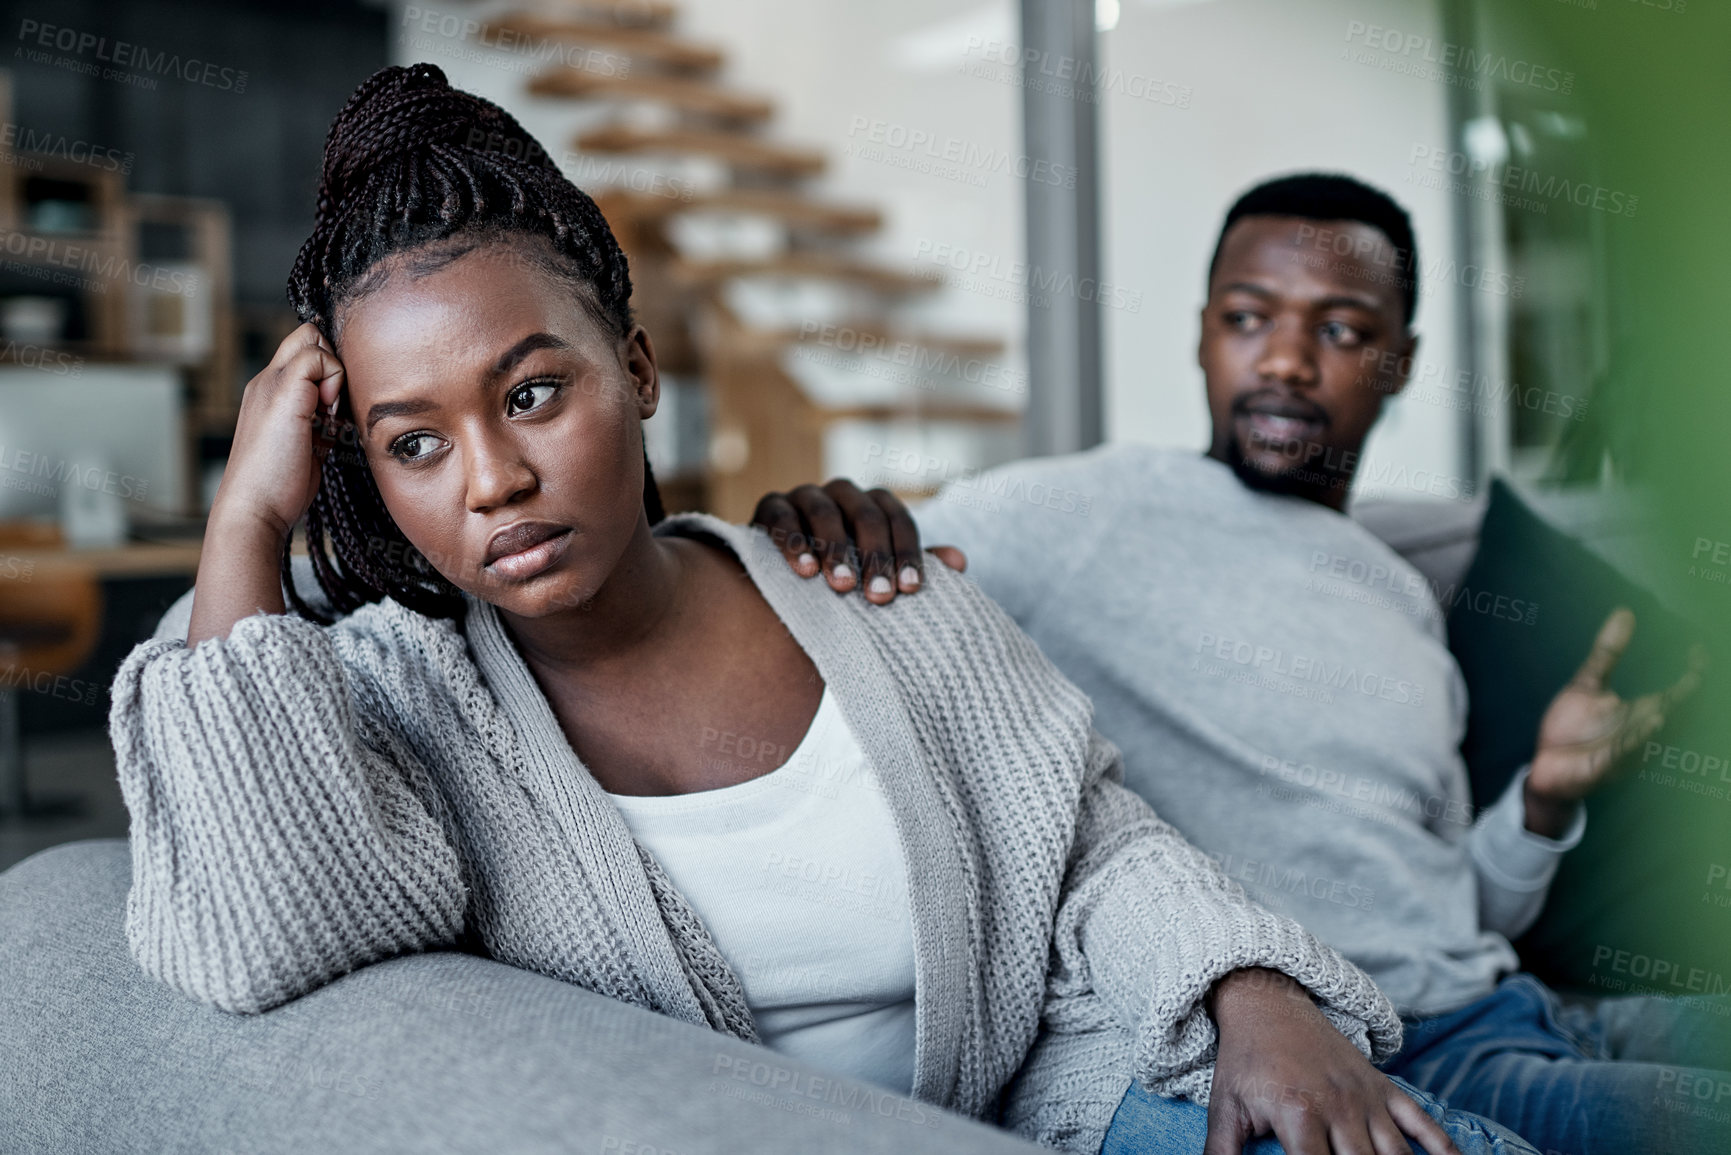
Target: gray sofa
column 425, row 1053
column 430, row 1052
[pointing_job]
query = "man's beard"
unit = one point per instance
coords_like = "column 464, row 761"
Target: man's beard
column 1312, row 481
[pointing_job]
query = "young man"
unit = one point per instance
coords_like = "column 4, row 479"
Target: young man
column 1307, row 740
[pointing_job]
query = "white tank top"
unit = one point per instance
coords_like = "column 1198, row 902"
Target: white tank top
column 798, row 876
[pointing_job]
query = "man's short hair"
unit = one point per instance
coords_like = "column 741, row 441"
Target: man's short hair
column 1321, row 196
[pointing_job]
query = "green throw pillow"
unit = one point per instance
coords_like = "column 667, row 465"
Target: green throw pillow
column 1636, row 907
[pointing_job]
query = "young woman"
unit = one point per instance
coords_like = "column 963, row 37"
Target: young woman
column 536, row 727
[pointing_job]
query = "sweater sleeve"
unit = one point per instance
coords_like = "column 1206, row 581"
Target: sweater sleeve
column 1514, row 866
column 280, row 836
column 1150, row 923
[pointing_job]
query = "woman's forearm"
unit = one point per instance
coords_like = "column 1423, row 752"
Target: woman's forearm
column 238, row 574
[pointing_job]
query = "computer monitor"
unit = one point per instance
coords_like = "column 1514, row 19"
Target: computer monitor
column 116, row 428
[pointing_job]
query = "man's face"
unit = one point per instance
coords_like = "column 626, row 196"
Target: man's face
column 1302, row 339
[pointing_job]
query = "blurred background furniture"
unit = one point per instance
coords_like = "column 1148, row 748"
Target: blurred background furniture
column 50, row 619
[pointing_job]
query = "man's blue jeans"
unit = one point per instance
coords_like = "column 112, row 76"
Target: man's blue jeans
column 1615, row 1075
column 1146, row 1124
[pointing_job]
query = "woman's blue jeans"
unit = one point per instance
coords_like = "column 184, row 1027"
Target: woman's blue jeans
column 1147, row 1124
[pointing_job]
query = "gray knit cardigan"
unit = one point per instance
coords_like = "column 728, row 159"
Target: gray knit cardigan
column 306, row 800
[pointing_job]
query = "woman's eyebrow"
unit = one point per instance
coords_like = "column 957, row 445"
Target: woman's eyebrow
column 507, row 361
column 386, row 409
column 509, row 358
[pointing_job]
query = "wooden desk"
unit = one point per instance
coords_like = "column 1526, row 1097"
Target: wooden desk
column 136, row 559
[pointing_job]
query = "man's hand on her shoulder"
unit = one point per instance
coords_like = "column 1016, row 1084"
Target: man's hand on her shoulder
column 858, row 539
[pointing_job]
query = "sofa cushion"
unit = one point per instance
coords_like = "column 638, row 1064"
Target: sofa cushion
column 1634, row 883
column 430, row 1052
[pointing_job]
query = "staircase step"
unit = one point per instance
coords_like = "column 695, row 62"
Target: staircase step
column 733, row 148
column 707, row 274
column 688, row 95
column 791, row 209
column 867, row 338
column 625, row 13
column 670, row 52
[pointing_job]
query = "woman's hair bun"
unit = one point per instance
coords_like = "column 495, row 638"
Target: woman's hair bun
column 399, row 111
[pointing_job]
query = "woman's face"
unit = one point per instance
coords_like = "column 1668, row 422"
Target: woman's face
column 501, row 423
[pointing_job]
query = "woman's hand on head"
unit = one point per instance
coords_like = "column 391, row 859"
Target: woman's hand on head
column 1284, row 1069
column 858, row 539
column 282, row 434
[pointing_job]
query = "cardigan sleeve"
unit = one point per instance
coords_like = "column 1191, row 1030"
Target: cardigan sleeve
column 1148, row 923
column 281, row 832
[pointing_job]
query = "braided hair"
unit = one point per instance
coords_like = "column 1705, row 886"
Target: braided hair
column 414, row 166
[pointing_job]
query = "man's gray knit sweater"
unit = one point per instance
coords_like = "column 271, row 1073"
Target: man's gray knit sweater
column 1278, row 682
column 306, row 800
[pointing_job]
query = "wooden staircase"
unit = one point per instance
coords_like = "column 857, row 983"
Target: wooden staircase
column 769, row 413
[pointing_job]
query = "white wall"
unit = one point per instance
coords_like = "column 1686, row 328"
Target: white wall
column 1270, row 93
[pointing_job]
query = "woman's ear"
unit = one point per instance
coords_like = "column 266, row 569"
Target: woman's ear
column 641, row 371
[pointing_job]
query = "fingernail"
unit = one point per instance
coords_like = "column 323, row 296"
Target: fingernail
column 843, row 573
column 880, row 585
column 910, row 576
column 334, row 404
column 806, row 561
